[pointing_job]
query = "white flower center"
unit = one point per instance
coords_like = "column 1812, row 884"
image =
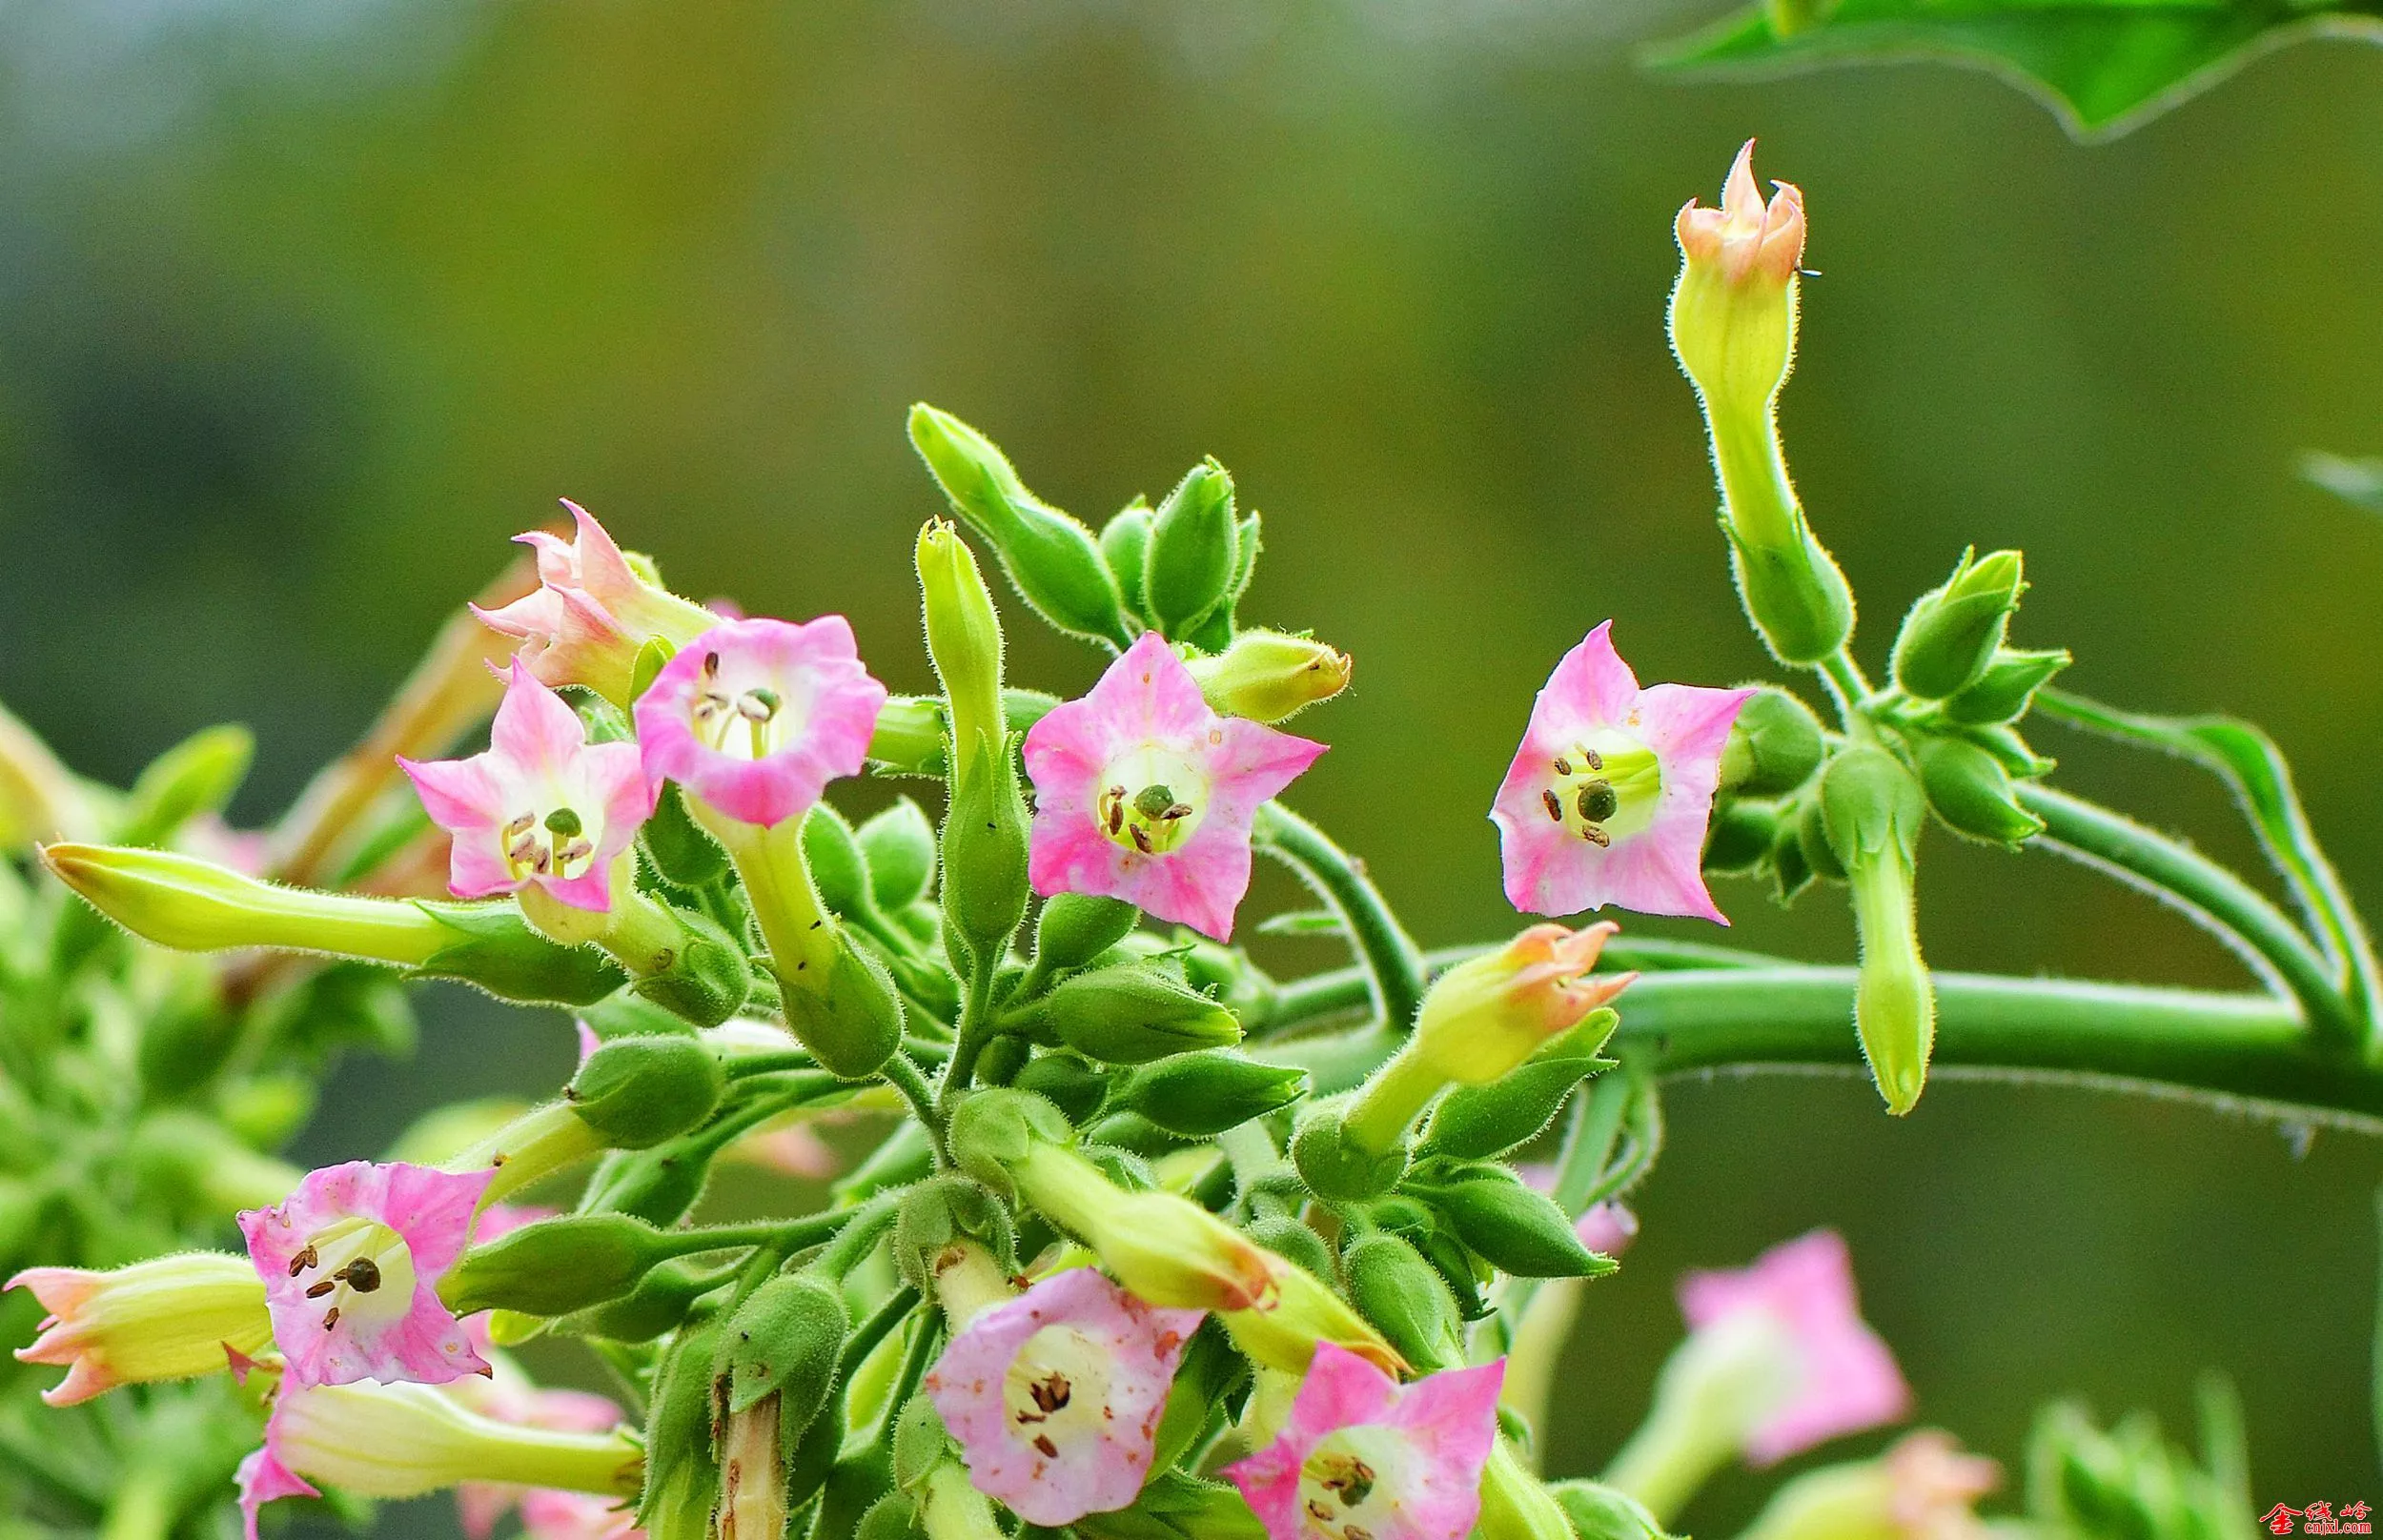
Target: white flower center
column 1151, row 800
column 363, row 1274
column 1603, row 787
column 1349, row 1488
column 1056, row 1390
column 745, row 711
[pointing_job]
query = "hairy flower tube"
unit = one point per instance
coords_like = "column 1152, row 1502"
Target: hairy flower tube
column 1363, row 1457
column 508, row 1396
column 1608, row 796
column 1055, row 1395
column 1778, row 1360
column 1143, row 793
column 350, row 1263
column 1924, row 1487
column 409, row 1440
column 543, row 813
column 170, row 1318
column 592, row 611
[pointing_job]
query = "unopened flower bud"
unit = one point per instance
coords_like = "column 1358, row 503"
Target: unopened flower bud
column 1345, row 1164
column 1514, row 1228
column 963, row 633
column 833, row 853
column 992, row 1130
column 1053, row 559
column 1200, row 1095
column 1403, row 1295
column 1603, row 1513
column 1073, row 1086
column 554, row 1266
column 1189, row 567
column 681, row 1476
column 1744, row 832
column 1953, row 632
column 899, row 848
column 1267, row 676
column 1130, row 1013
column 1872, row 808
column 1125, row 545
column 636, row 1092
column 1774, row 745
column 945, row 1212
column 40, row 799
column 894, row 1516
column 1490, row 1013
column 985, row 890
column 1073, row 929
column 167, row 1319
column 1482, row 1122
column 2007, row 689
column 1974, row 794
column 197, row 776
column 782, row 1342
column 659, row 1303
column 1515, row 1505
column 1167, row 1249
column 685, row 962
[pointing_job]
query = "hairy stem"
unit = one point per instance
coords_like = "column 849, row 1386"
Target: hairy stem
column 1391, row 962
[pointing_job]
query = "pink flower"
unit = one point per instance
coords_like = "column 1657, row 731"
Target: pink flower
column 1933, row 1487
column 1607, row 798
column 754, row 718
column 591, row 612
column 543, row 806
column 169, row 1318
column 262, row 1477
column 547, row 1514
column 1143, row 793
column 1846, row 1379
column 352, row 1261
column 1744, row 237
column 1363, row 1455
column 1055, row 1395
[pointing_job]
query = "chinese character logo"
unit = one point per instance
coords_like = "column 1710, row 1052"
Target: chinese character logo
column 2319, row 1518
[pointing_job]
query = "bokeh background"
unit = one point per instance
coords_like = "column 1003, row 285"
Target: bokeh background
column 304, row 310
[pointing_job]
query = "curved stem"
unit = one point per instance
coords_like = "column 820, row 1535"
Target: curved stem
column 1393, row 964
column 1846, row 685
column 2238, row 1048
column 2232, row 909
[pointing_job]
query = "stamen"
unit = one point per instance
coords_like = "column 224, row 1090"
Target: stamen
column 1555, row 808
column 1563, row 766
column 1142, row 841
column 711, row 665
column 520, row 827
column 320, row 1290
column 1042, row 1443
column 1050, row 1392
column 331, row 1318
column 1596, row 836
column 308, row 1258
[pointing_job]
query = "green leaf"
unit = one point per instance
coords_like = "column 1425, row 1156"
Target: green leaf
column 2101, row 66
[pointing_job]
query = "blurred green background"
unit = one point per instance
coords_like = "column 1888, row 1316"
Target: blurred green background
column 303, row 310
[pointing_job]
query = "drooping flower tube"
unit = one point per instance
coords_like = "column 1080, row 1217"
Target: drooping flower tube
column 1143, row 793
column 543, row 813
column 409, row 1440
column 1055, row 1395
column 170, row 1318
column 350, row 1263
column 1607, row 798
column 508, row 1395
column 1778, row 1360
column 1924, row 1487
column 592, row 611
column 1363, row 1457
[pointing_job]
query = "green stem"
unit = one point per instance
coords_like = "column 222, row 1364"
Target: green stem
column 976, row 1029
column 2231, row 908
column 1393, row 964
column 904, row 1076
column 1320, row 997
column 1847, row 685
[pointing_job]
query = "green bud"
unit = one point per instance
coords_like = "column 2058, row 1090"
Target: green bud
column 1774, row 746
column 1194, row 551
column 1794, row 593
column 1972, row 793
column 681, row 1476
column 992, row 1130
column 1074, row 1086
column 1791, row 869
column 899, row 848
column 2007, row 689
column 1267, row 676
column 1873, row 808
column 1811, row 842
column 679, row 847
column 1131, row 1013
column 1480, row 1122
column 963, row 633
column 944, row 1212
column 1870, row 805
column 1125, row 545
column 636, row 1092
column 1405, row 1297
column 894, row 1516
column 1294, row 1242
column 837, row 865
column 704, row 978
column 1335, row 1166
column 920, row 1442
column 2010, row 749
column 1052, row 559
column 660, row 1302
column 1200, row 1095
column 783, row 1341
column 554, row 1266
column 812, row 1464
column 1742, row 834
column 1227, row 974
column 854, row 1024
column 1510, row 1226
column 1601, row 1512
column 985, row 853
column 197, row 776
column 493, row 948
column 1953, row 632
column 1074, row 928
column 852, row 1487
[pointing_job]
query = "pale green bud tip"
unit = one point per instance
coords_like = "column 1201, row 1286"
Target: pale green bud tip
column 1266, row 676
column 962, row 630
column 195, row 905
column 1950, row 637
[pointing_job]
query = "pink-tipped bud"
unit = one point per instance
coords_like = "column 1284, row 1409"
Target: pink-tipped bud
column 1747, row 238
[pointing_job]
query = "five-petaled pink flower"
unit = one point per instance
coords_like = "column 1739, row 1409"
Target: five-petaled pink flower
column 1363, row 1455
column 755, row 718
column 1607, row 798
column 592, row 611
column 352, row 1261
column 543, row 806
column 1055, row 1395
column 1143, row 793
column 1745, row 237
column 1845, row 1378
